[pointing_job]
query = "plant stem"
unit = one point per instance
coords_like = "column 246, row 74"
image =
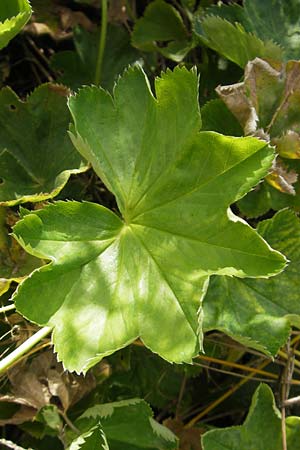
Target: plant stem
column 102, row 42
column 4, row 309
column 10, row 444
column 68, row 422
column 14, row 356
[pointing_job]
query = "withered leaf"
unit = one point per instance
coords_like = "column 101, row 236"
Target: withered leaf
column 34, row 385
column 266, row 105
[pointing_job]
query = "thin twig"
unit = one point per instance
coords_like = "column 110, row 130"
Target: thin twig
column 223, row 397
column 68, row 422
column 47, row 71
column 253, row 370
column 234, row 374
column 180, row 396
column 286, row 357
column 222, row 414
column 238, row 366
column 236, row 345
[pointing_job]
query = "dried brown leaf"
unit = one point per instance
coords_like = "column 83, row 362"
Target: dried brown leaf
column 69, row 19
column 238, row 103
column 189, row 439
column 266, row 104
column 288, row 145
column 36, row 384
column 56, row 20
column 282, row 179
column 117, row 11
column 24, row 413
column 15, row 263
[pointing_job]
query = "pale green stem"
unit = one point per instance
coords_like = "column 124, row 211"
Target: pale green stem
column 4, row 309
column 24, row 348
column 10, row 444
column 102, row 42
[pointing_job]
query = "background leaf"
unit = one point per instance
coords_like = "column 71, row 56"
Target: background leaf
column 217, row 117
column 13, row 16
column 128, row 424
column 162, row 24
column 91, row 440
column 232, row 41
column 276, row 20
column 78, row 67
column 35, row 165
column 259, row 313
column 260, row 431
column 271, row 21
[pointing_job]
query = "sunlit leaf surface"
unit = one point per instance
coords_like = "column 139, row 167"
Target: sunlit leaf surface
column 13, row 16
column 112, row 279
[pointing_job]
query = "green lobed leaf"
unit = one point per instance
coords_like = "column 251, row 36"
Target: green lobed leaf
column 217, row 117
column 78, row 67
column 162, row 24
column 13, row 16
column 92, row 439
column 257, row 202
column 267, row 21
column 36, row 156
column 262, row 429
column 112, row 280
column 260, row 313
column 232, row 41
column 50, row 417
column 127, row 424
column 278, row 20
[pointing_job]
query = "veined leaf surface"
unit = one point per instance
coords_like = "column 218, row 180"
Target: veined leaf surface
column 92, row 439
column 112, row 280
column 270, row 20
column 36, row 155
column 162, row 23
column 259, row 313
column 127, row 424
column 78, row 67
column 268, row 29
column 13, row 16
column 232, row 41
